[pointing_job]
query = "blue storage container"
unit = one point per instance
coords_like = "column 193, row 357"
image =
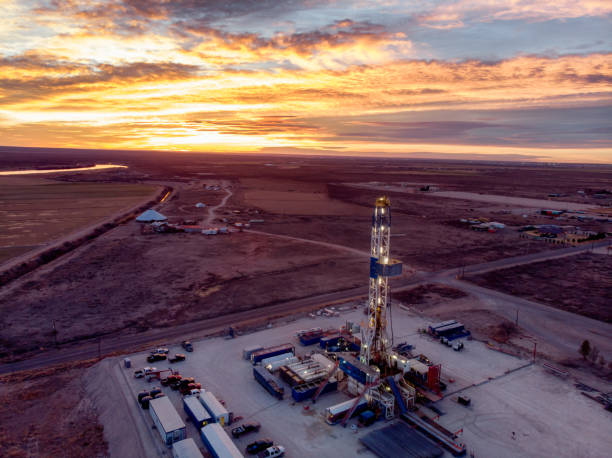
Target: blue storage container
column 196, row 411
column 329, row 340
column 269, row 382
column 310, row 340
column 271, row 351
column 308, row 390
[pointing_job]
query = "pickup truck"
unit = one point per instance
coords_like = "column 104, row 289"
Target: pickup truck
column 156, row 357
column 177, row 357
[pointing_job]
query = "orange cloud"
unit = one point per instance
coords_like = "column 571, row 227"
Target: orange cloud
column 171, row 74
column 172, row 106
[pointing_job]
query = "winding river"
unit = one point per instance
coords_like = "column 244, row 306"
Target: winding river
column 78, row 169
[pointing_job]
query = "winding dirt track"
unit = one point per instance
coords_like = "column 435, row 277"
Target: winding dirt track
column 211, row 210
column 312, row 242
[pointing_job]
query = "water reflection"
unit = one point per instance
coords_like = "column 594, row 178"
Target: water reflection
column 79, row 169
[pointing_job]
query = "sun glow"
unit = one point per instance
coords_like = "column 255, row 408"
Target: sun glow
column 115, row 75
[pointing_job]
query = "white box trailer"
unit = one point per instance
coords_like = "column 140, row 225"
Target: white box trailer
column 246, row 353
column 271, row 359
column 274, row 366
column 216, row 410
column 218, row 442
column 323, row 361
column 186, row 448
column 167, row 420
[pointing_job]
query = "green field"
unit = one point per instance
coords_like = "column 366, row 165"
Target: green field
column 35, row 211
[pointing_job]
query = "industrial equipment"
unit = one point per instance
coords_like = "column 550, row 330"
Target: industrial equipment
column 375, row 342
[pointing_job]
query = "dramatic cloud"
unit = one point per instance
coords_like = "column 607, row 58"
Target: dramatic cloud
column 308, row 75
column 461, row 12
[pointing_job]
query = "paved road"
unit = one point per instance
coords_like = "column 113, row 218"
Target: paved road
column 562, row 329
column 88, row 350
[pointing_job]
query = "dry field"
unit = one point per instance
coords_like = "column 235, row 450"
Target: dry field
column 127, row 282
column 579, row 284
column 294, row 198
column 47, row 414
column 425, row 231
column 35, row 211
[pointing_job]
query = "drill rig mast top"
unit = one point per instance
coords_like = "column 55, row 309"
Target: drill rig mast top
column 375, row 341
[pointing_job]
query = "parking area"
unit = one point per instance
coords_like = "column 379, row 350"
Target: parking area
column 517, row 408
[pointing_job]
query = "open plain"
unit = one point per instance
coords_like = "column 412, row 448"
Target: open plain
column 307, row 247
column 37, row 211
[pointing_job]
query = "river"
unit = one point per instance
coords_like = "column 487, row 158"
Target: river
column 79, row 169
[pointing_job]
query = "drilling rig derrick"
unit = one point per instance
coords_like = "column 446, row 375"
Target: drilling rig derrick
column 375, row 342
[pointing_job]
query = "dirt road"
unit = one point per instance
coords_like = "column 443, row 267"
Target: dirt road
column 212, row 210
column 313, row 242
column 524, row 259
column 564, row 330
column 513, row 201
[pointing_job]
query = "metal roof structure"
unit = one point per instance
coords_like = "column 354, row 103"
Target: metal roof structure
column 186, row 448
column 167, row 414
column 151, row 215
column 217, row 439
column 399, row 441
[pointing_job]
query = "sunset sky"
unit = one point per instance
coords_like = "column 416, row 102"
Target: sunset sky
column 501, row 79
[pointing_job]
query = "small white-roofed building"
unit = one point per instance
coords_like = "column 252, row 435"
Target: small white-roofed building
column 218, row 442
column 215, row 409
column 167, row 420
column 186, row 448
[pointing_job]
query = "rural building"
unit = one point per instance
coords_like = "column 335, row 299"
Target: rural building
column 200, row 205
column 167, row 420
column 151, row 215
column 192, row 229
column 557, row 235
column 186, row 448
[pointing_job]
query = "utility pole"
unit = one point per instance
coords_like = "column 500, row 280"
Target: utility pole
column 54, row 334
column 535, row 346
column 516, row 321
column 99, row 345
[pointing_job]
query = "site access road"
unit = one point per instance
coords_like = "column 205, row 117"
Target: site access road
column 546, row 324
